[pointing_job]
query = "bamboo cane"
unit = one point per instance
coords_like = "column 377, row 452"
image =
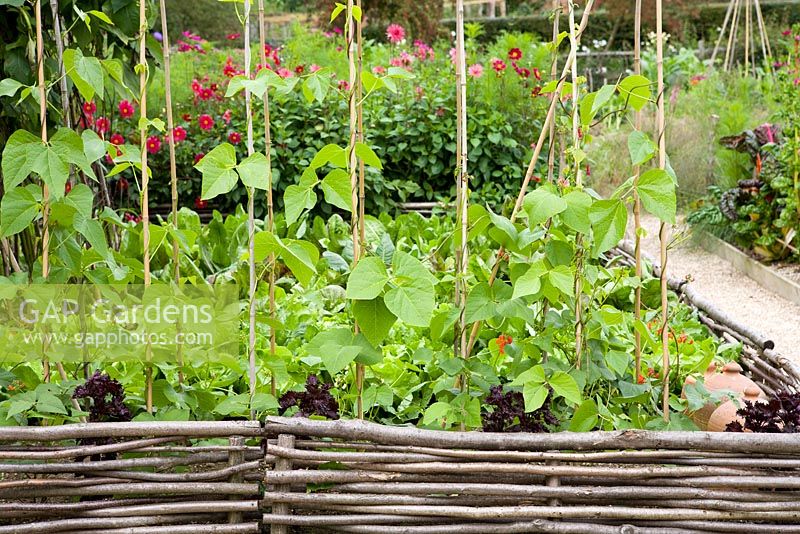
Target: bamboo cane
column 462, row 176
column 722, row 31
column 62, row 82
column 353, row 168
column 767, row 50
column 747, row 34
column 731, row 49
column 251, row 220
column 145, row 199
column 361, row 187
column 578, row 183
column 637, row 204
column 262, row 36
column 173, row 173
column 45, row 190
column 551, row 155
column 664, row 230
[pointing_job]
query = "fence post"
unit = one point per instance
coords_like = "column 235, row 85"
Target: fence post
column 235, row 457
column 282, row 464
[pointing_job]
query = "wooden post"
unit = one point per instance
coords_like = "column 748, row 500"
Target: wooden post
column 235, row 457
column 282, row 464
column 721, row 33
column 362, row 236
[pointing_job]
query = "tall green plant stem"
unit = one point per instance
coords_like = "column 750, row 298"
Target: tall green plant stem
column 537, row 150
column 145, row 199
column 576, row 145
column 173, row 173
column 251, row 221
column 262, row 36
column 352, row 167
column 637, row 204
column 664, row 230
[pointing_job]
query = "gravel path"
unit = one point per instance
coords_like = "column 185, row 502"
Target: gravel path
column 729, row 289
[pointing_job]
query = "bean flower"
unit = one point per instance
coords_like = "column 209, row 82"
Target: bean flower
column 89, row 108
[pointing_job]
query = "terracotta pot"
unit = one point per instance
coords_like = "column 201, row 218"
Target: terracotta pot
column 731, row 379
column 726, row 413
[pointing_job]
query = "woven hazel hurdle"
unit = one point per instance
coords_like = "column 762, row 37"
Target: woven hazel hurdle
column 167, row 477
column 404, row 479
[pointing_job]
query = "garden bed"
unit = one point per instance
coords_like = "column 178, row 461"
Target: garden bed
column 773, row 279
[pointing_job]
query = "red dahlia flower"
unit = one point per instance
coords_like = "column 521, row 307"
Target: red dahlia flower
column 126, row 109
column 515, row 54
column 153, row 144
column 206, row 122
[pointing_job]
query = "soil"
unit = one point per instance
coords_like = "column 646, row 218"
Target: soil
column 729, row 289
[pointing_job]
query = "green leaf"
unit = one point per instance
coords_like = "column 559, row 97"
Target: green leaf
column 21, row 403
column 541, row 205
column 337, row 10
column 53, row 170
column 565, row 386
column 94, row 147
column 482, row 303
column 408, row 267
column 297, row 199
column 19, row 156
column 81, row 198
column 562, row 278
column 534, row 394
column 301, row 258
column 635, row 89
column 412, row 302
column 69, row 147
column 315, row 88
column 336, row 187
column 617, row 361
column 85, row 72
column 657, row 193
column 254, row 171
column 535, row 374
column 46, row 402
column 576, row 216
column 438, row 412
column 367, row 280
column 92, row 230
column 609, row 219
column 9, row 87
column 217, row 167
column 18, row 209
column 585, row 417
column 531, row 281
column 368, row 156
column 330, row 154
column 641, row 147
column 374, row 319
column 335, row 358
